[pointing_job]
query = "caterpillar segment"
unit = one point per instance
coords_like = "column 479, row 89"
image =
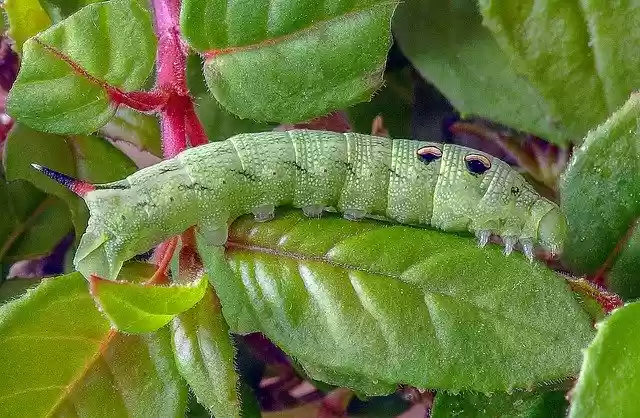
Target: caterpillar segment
column 449, row 187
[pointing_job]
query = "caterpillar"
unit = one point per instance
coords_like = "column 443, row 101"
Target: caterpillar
column 449, row 187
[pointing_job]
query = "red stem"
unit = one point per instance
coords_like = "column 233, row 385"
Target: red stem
column 178, row 117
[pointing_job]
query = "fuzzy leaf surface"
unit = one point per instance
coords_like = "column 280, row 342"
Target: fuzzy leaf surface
column 218, row 122
column 448, row 45
column 59, row 358
column 67, row 70
column 500, row 405
column 205, row 356
column 289, row 61
column 607, row 385
column 400, row 305
column 138, row 308
column 581, row 55
column 604, row 173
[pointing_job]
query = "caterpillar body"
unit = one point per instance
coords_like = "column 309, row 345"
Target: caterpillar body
column 445, row 186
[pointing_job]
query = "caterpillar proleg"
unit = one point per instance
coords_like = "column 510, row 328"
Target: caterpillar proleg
column 449, row 187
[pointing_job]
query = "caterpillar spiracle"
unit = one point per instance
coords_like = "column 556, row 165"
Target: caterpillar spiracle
column 445, row 186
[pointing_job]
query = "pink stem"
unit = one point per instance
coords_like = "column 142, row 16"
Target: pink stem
column 178, row 118
column 195, row 131
column 172, row 122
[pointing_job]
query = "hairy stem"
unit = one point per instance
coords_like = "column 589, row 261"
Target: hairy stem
column 180, row 124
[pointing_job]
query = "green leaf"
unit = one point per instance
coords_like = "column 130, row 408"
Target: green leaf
column 17, row 286
column 292, row 60
column 66, row 71
column 468, row 318
column 582, row 56
column 608, row 384
column 89, row 158
column 59, row 358
column 393, row 102
column 32, row 223
column 134, row 127
column 446, row 42
column 138, row 308
column 218, row 122
column 61, row 9
column 205, row 356
column 604, row 173
column 500, row 405
column 26, row 18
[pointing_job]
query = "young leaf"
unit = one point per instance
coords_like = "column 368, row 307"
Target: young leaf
column 26, row 18
column 69, row 71
column 289, row 61
column 518, row 405
column 582, row 56
column 608, row 383
column 59, row 358
column 446, row 42
column 604, row 173
column 138, row 308
column 399, row 305
column 205, row 356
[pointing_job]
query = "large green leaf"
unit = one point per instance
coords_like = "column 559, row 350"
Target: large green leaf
column 139, row 308
column 500, row 405
column 582, row 56
column 289, row 61
column 32, row 223
column 446, row 42
column 26, row 18
column 608, row 385
column 67, row 71
column 218, row 122
column 205, row 356
column 59, row 358
column 599, row 195
column 86, row 157
column 368, row 305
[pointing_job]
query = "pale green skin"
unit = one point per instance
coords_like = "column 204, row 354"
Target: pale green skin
column 211, row 185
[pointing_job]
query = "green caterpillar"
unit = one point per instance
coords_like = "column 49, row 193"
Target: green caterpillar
column 449, row 187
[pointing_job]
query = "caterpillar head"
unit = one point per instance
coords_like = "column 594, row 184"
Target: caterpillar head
column 552, row 231
column 103, row 246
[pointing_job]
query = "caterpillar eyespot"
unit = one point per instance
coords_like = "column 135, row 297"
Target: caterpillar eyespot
column 429, row 154
column 357, row 175
column 477, row 164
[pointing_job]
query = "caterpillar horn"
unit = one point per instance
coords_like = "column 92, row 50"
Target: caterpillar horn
column 79, row 187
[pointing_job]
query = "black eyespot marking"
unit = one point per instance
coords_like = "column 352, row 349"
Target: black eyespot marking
column 477, row 164
column 515, row 191
column 429, row 154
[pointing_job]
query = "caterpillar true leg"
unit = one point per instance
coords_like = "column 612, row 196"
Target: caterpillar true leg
column 509, row 243
column 483, row 237
column 527, row 247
